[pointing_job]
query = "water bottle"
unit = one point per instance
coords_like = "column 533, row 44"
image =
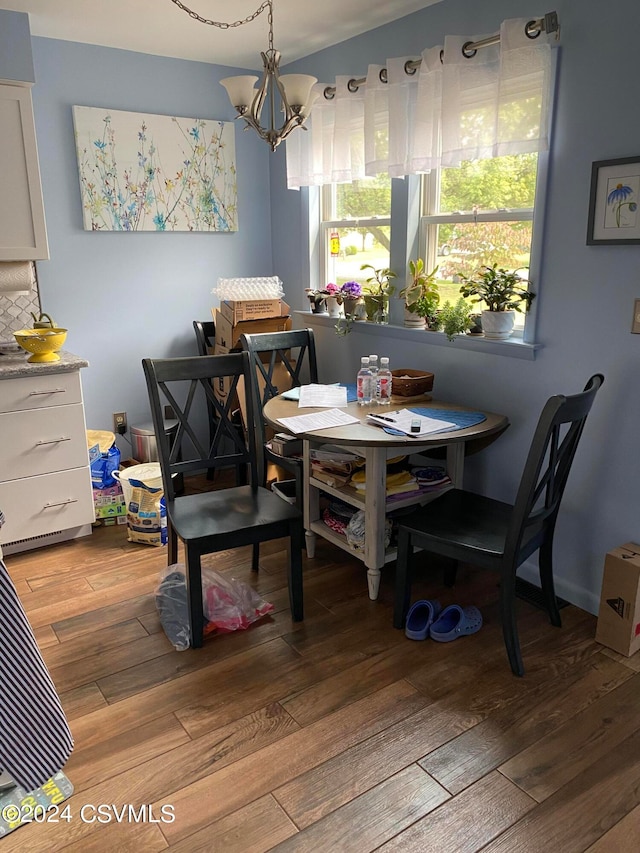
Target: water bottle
column 373, row 367
column 384, row 383
column 363, row 382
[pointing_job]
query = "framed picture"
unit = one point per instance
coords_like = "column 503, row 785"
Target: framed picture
column 143, row 172
column 614, row 211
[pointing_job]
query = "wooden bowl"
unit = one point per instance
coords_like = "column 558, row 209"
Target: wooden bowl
column 410, row 383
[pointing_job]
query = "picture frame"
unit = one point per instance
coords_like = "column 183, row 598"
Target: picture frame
column 614, row 202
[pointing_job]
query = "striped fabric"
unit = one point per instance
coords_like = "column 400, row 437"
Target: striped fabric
column 35, row 740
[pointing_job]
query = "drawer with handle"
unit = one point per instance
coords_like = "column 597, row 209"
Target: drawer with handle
column 36, row 506
column 42, row 441
column 35, row 392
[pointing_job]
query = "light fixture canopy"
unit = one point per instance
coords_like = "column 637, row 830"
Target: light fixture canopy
column 291, row 94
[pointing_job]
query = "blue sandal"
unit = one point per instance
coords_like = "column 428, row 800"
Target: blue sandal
column 420, row 618
column 454, row 622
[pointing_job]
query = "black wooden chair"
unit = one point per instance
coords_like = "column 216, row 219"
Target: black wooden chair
column 205, row 331
column 471, row 528
column 295, row 352
column 281, row 361
column 225, row 518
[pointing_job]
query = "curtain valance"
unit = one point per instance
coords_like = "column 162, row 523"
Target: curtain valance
column 454, row 107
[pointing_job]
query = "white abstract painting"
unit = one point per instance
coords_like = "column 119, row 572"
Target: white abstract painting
column 142, row 172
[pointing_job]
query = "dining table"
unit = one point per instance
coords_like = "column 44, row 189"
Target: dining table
column 376, row 446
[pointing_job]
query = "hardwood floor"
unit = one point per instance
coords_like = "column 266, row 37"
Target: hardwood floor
column 335, row 734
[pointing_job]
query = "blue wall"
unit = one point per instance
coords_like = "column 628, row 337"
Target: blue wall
column 586, row 293
column 126, row 296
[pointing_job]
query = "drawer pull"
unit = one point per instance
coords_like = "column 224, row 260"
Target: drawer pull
column 52, row 441
column 61, row 503
column 51, row 391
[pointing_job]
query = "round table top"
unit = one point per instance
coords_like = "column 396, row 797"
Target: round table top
column 365, row 435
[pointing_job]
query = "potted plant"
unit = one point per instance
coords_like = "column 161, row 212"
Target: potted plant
column 328, row 300
column 455, row 318
column 502, row 293
column 428, row 307
column 378, row 289
column 421, row 295
column 351, row 295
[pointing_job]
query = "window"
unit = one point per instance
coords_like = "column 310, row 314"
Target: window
column 478, row 214
column 355, row 228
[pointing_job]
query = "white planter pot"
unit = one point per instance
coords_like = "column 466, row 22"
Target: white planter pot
column 413, row 321
column 333, row 306
column 498, row 325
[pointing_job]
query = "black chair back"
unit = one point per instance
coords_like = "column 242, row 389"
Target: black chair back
column 186, row 384
column 546, row 470
column 205, row 336
column 295, row 350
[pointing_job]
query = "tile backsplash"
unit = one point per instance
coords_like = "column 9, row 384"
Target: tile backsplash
column 15, row 313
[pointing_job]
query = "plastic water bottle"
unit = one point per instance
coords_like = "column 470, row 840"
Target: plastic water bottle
column 373, row 367
column 384, row 383
column 364, row 382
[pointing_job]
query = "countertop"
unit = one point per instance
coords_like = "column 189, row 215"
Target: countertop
column 15, row 365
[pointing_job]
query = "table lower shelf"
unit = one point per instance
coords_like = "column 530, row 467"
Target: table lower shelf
column 325, row 532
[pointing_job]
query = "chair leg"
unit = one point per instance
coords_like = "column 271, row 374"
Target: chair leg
column 255, row 557
column 172, row 544
column 194, row 597
column 450, row 573
column 509, row 621
column 545, row 564
column 296, row 599
column 403, row 579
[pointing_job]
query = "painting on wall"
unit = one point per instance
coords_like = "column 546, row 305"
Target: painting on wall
column 141, row 172
column 614, row 215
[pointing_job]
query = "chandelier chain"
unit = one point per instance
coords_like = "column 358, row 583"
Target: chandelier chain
column 226, row 26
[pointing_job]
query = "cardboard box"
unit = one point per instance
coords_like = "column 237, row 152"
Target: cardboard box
column 228, row 339
column 252, row 309
column 228, row 333
column 619, row 614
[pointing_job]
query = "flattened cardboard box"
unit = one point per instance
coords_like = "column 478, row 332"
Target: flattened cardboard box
column 235, row 311
column 619, row 613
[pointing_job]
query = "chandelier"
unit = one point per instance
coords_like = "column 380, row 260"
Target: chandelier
column 289, row 94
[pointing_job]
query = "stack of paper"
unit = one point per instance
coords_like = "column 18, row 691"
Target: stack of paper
column 402, row 419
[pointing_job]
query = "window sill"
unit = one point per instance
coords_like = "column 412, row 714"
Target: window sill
column 512, row 348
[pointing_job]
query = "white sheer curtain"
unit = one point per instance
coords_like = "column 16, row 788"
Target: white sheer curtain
column 493, row 103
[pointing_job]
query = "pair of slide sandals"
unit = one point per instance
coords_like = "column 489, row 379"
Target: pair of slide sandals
column 428, row 619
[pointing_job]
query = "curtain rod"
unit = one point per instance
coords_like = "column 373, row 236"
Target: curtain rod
column 548, row 24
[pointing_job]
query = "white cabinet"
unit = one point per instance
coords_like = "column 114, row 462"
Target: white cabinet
column 45, row 481
column 23, row 235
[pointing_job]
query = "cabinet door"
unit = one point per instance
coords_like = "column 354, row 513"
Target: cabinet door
column 23, row 235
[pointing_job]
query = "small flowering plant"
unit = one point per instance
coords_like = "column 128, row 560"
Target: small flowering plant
column 351, row 290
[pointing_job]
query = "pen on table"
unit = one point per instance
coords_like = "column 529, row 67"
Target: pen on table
column 383, row 418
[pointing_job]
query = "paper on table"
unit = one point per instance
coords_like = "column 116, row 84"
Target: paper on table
column 317, row 420
column 401, row 420
column 331, row 396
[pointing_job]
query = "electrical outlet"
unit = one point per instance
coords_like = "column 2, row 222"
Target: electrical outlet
column 635, row 325
column 169, row 414
column 120, row 422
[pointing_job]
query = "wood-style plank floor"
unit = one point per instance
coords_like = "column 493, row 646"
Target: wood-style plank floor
column 334, row 734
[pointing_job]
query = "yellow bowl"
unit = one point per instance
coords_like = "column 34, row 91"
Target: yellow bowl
column 43, row 343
